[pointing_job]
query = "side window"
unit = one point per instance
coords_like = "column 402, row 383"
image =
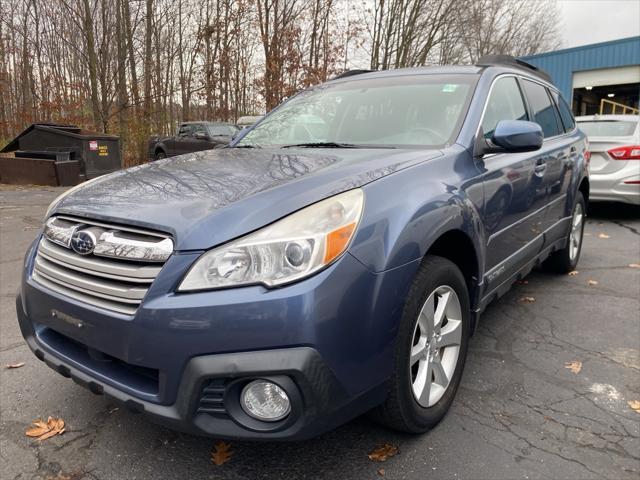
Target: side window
column 199, row 129
column 565, row 113
column 505, row 103
column 544, row 112
column 220, row 130
column 185, row 131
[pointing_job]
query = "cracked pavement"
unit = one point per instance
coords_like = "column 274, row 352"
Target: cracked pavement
column 519, row 413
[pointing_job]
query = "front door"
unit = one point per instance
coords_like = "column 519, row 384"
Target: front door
column 514, row 194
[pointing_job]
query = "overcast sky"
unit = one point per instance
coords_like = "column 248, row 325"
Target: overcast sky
column 593, row 21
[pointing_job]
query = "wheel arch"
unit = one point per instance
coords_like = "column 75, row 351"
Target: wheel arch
column 457, row 246
column 160, row 148
column 584, row 189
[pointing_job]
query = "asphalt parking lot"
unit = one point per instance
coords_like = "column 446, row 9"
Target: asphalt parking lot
column 520, row 412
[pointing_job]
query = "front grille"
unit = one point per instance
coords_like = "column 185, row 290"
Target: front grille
column 212, row 398
column 109, row 282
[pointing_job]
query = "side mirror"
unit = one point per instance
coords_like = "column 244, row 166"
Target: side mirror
column 512, row 136
column 201, row 136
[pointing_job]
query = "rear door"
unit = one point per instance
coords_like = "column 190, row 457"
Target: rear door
column 553, row 160
column 569, row 158
column 513, row 201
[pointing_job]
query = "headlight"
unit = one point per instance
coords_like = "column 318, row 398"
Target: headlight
column 287, row 250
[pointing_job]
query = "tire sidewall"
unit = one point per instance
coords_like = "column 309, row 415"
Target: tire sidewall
column 579, row 201
column 440, row 272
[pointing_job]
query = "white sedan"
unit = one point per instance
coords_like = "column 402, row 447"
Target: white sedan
column 614, row 143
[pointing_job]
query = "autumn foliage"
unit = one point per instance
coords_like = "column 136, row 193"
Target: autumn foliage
column 137, row 68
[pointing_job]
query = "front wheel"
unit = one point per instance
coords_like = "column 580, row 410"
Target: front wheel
column 431, row 348
column 566, row 260
column 160, row 155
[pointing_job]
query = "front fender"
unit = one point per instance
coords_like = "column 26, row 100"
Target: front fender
column 405, row 213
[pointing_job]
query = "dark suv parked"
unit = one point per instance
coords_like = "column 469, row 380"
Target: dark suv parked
column 192, row 137
column 333, row 260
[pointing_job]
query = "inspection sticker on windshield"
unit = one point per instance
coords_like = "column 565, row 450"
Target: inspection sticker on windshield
column 449, row 87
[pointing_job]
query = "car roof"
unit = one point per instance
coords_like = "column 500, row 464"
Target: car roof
column 400, row 72
column 591, row 118
column 205, row 122
column 492, row 70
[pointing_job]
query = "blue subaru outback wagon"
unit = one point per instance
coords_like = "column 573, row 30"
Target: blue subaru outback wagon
column 332, row 261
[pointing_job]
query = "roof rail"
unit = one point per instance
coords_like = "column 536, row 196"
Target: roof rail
column 509, row 61
column 351, row 73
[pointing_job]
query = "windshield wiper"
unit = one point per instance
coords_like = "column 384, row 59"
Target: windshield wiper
column 247, row 146
column 322, row 145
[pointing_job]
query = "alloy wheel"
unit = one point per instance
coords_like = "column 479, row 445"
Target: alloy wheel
column 575, row 237
column 436, row 346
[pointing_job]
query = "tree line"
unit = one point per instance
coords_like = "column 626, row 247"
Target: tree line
column 138, row 67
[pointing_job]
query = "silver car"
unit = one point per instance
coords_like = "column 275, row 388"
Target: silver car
column 614, row 143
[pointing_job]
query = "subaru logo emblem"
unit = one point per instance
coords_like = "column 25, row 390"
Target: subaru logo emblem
column 83, row 242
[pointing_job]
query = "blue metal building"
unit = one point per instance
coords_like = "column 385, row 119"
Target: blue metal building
column 586, row 75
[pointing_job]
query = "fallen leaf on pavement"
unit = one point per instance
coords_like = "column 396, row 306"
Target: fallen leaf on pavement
column 603, row 235
column 381, row 472
column 64, row 476
column 634, row 265
column 635, row 405
column 15, row 365
column 522, row 282
column 592, row 282
column 43, row 430
column 221, row 453
column 383, row 453
column 573, row 273
column 527, row 300
column 574, row 366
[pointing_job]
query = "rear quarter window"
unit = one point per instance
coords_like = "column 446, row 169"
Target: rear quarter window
column 566, row 116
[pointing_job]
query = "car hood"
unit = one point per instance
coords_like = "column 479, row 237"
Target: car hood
column 206, row 198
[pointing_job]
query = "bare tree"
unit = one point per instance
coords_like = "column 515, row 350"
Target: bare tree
column 140, row 67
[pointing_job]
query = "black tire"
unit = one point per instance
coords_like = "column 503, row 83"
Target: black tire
column 561, row 261
column 401, row 411
column 160, row 155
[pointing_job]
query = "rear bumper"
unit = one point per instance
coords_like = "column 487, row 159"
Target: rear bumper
column 612, row 187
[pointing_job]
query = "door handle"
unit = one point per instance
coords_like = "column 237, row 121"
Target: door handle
column 540, row 168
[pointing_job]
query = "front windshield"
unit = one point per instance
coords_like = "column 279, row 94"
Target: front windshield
column 400, row 111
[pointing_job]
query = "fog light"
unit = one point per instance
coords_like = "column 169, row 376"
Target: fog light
column 265, row 401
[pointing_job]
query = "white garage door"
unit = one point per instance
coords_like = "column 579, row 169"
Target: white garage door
column 606, row 76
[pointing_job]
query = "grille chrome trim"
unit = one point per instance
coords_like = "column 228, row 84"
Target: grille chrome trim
column 74, row 294
column 96, row 286
column 121, row 243
column 104, row 268
column 118, row 283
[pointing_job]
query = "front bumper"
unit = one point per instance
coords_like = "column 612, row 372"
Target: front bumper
column 329, row 339
column 318, row 401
